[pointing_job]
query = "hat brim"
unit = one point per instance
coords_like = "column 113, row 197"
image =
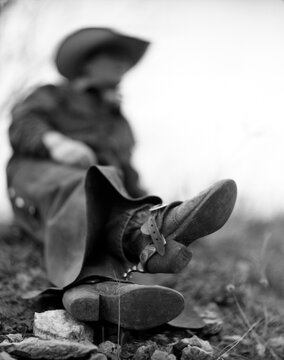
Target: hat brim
column 76, row 47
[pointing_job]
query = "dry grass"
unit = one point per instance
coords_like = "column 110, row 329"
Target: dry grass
column 239, row 269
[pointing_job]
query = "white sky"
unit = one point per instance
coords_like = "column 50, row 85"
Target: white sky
column 206, row 102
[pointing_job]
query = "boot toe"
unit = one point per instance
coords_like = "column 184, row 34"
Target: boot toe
column 202, row 215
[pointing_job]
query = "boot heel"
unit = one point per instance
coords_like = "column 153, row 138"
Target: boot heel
column 176, row 258
column 82, row 302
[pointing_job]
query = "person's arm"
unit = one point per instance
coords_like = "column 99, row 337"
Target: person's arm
column 67, row 151
column 30, row 121
column 32, row 133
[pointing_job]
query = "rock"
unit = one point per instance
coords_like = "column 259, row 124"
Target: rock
column 14, row 337
column 202, row 344
column 196, row 349
column 182, row 344
column 6, row 356
column 195, row 353
column 212, row 320
column 60, row 325
column 34, row 348
column 162, row 355
column 159, row 355
column 98, row 356
column 145, row 352
column 109, row 349
column 171, row 357
column 179, row 346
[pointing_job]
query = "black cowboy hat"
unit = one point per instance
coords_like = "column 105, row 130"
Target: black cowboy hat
column 79, row 45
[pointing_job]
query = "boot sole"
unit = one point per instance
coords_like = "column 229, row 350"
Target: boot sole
column 136, row 308
column 209, row 215
column 142, row 308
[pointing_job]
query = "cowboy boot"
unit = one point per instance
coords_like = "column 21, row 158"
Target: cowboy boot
column 128, row 305
column 158, row 237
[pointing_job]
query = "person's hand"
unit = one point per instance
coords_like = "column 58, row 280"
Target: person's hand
column 68, row 151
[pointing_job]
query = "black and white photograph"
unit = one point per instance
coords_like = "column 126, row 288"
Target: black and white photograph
column 141, row 180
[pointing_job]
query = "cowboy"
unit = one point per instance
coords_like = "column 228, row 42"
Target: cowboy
column 73, row 186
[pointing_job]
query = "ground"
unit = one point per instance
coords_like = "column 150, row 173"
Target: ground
column 238, row 271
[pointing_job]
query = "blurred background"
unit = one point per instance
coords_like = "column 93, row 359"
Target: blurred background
column 205, row 103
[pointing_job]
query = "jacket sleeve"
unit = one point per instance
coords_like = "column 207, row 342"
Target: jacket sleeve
column 30, row 120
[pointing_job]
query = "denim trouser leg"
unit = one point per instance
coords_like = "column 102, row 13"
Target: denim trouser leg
column 70, row 212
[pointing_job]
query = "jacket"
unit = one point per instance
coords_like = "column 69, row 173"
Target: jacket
column 82, row 116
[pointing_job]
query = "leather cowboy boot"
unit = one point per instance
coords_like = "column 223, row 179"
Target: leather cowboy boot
column 158, row 237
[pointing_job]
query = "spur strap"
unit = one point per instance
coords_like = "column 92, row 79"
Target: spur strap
column 151, row 229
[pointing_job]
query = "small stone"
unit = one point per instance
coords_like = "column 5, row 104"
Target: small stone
column 202, row 344
column 195, row 353
column 145, row 352
column 6, row 356
column 15, row 337
column 161, row 355
column 59, row 324
column 171, row 357
column 34, row 348
column 98, row 356
column 109, row 349
column 196, row 349
column 179, row 346
column 212, row 319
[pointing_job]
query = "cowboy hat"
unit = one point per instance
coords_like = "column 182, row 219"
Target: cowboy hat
column 76, row 47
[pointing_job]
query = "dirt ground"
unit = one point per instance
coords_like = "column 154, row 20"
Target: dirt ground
column 238, row 272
